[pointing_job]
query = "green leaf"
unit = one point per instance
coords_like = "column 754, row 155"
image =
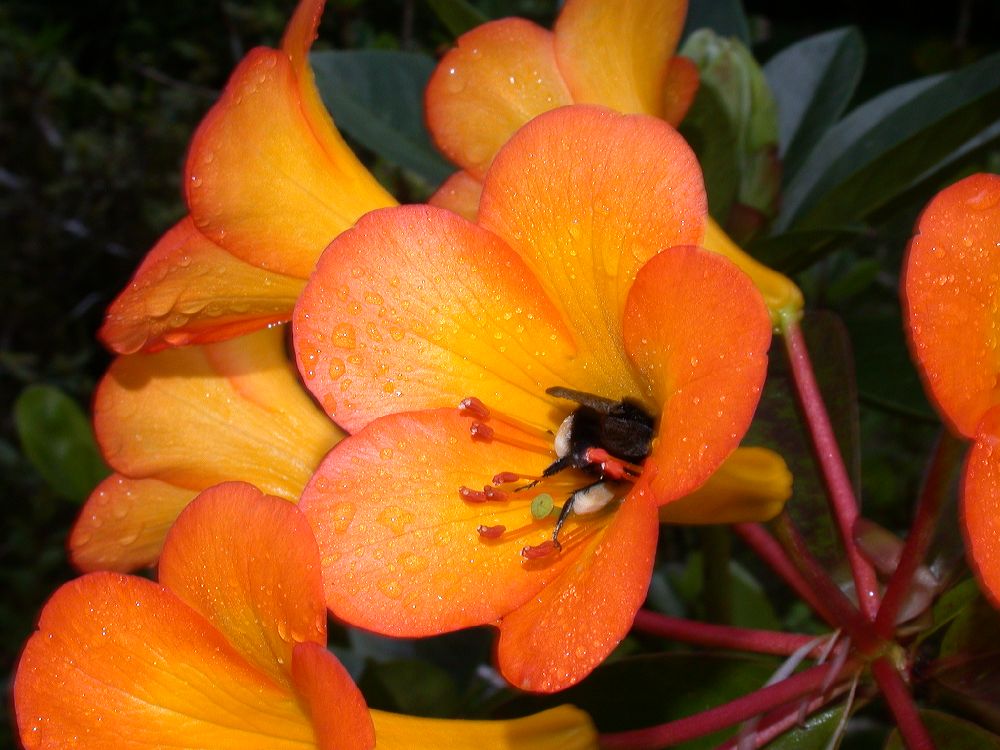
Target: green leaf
column 642, row 691
column 813, row 82
column 411, row 687
column 750, row 607
column 792, row 249
column 967, row 669
column 815, row 734
column 457, row 15
column 712, row 134
column 724, row 17
column 376, row 97
column 56, row 437
column 882, row 147
column 950, row 733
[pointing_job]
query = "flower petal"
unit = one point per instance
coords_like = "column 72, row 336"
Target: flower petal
column 267, row 178
column 198, row 416
column 417, row 308
column 559, row 636
column 248, row 563
column 400, row 550
column 560, row 728
column 679, row 89
column 338, row 709
column 751, row 485
column 702, row 348
column 981, row 504
column 951, row 303
column 459, row 193
column 123, row 523
column 189, row 290
column 586, row 196
column 501, row 75
column 119, row 662
column 617, row 54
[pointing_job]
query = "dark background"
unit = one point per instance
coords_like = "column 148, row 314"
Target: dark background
column 97, row 102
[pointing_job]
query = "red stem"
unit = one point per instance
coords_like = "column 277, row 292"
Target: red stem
column 723, row 636
column 772, row 553
column 847, row 616
column 720, row 717
column 911, row 727
column 839, row 489
column 947, row 453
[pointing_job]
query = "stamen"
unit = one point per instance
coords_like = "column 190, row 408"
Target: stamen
column 611, row 467
column 475, row 407
column 538, row 551
column 492, row 493
column 485, row 433
column 509, row 477
column 491, row 532
column 537, row 432
column 481, row 431
column 470, row 495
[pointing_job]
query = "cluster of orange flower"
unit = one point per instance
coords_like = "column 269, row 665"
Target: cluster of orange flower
column 495, row 398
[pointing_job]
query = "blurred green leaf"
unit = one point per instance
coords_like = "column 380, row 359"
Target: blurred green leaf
column 712, row 134
column 750, row 607
column 376, row 97
column 950, row 733
column 813, row 82
column 57, row 439
column 951, row 604
column 792, row 249
column 883, row 146
column 641, row 691
column 411, row 687
column 968, row 666
column 724, row 17
column 458, row 15
column 814, row 734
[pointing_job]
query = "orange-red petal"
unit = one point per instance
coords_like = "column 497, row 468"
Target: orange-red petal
column 120, row 663
column 267, row 178
column 679, row 89
column 586, row 196
column 459, row 193
column 123, row 523
column 248, row 563
column 501, row 75
column 698, row 331
column 417, row 308
column 951, row 300
column 981, row 504
column 198, row 416
column 559, row 636
column 189, row 290
column 400, row 549
column 617, row 54
column 339, row 713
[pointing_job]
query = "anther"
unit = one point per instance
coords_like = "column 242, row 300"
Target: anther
column 508, row 477
column 492, row 493
column 475, row 407
column 538, row 551
column 481, row 431
column 471, row 495
column 491, row 532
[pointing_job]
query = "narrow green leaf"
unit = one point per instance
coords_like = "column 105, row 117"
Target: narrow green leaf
column 813, row 82
column 56, row 437
column 376, row 97
column 950, row 733
column 724, row 17
column 458, row 15
column 882, row 147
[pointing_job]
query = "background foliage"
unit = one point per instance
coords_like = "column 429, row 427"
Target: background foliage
column 98, row 101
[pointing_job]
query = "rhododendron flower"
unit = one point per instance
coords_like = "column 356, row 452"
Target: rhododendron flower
column 952, row 307
column 588, row 364
column 269, row 182
column 620, row 55
column 178, row 421
column 227, row 651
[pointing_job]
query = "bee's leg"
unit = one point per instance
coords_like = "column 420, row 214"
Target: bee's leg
column 553, row 468
column 568, row 507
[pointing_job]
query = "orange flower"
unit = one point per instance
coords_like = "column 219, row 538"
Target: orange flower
column 269, row 182
column 561, row 284
column 176, row 422
column 620, row 55
column 227, row 652
column 952, row 308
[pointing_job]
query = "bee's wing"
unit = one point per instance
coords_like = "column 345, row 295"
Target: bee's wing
column 597, row 403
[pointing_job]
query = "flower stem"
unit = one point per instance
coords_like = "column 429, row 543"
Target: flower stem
column 911, row 727
column 772, row 553
column 722, row 636
column 720, row 717
column 947, row 453
column 839, row 489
